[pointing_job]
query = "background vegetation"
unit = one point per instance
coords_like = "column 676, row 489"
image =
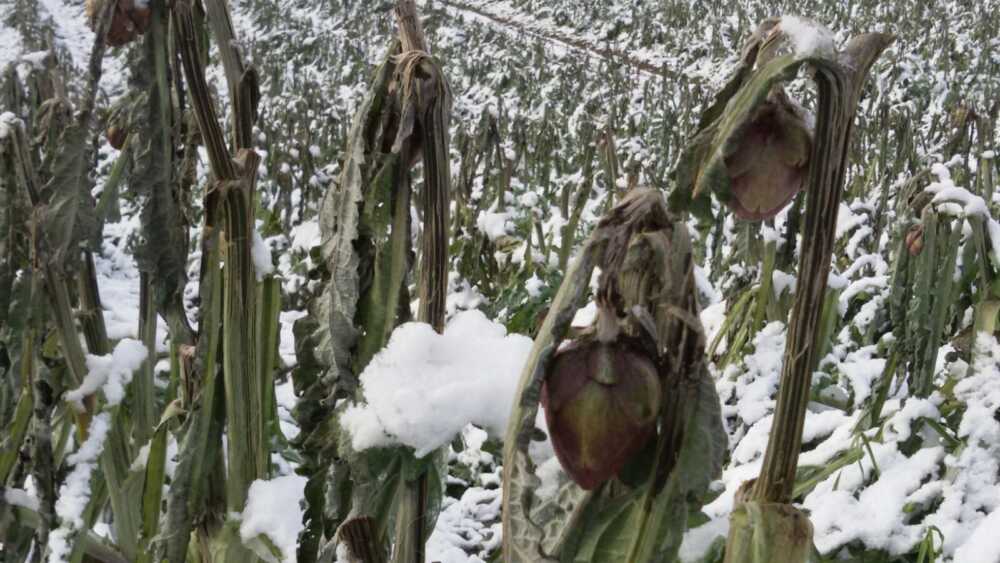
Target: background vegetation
column 557, row 108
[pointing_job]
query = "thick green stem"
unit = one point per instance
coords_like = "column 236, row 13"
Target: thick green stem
column 187, row 490
column 568, row 240
column 268, row 334
column 233, row 204
column 91, row 312
column 248, row 447
column 143, row 389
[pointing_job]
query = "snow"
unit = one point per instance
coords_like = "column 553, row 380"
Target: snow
column 808, row 37
column 770, row 234
column 261, row 257
column 468, row 524
column 494, row 225
column 286, row 346
column 20, row 497
column 462, row 296
column 118, row 280
column 305, row 236
column 110, row 373
column 274, row 509
column 851, row 250
column 71, row 29
column 7, row 121
column 839, row 517
column 74, row 494
column 858, row 503
column 782, row 282
column 534, row 286
column 758, row 384
column 705, row 288
column 959, row 491
column 984, row 544
column 971, row 204
column 862, row 369
column 529, row 199
column 698, row 540
column 712, row 319
column 551, row 475
column 424, row 387
column 848, row 220
column 959, row 201
column 863, row 285
column 36, row 59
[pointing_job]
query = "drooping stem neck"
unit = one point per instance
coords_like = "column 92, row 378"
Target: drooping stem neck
column 839, row 92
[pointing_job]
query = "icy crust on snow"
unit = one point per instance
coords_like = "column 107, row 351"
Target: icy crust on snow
column 111, row 373
column 274, row 509
column 74, row 494
column 424, row 387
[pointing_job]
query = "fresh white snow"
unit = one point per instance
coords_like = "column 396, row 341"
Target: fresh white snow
column 110, row 373
column 274, row 509
column 808, row 37
column 74, row 494
column 263, row 266
column 424, row 387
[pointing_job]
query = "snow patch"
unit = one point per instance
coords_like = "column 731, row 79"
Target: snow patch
column 110, row 373
column 808, row 37
column 74, row 494
column 424, row 387
column 494, row 225
column 19, row 497
column 274, row 509
column 305, row 236
column 261, row 257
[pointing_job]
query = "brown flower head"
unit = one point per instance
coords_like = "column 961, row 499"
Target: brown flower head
column 601, row 402
column 771, row 161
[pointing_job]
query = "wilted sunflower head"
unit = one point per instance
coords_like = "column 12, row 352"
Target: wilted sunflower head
column 601, row 402
column 770, row 162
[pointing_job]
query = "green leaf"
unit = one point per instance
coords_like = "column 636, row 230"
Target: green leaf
column 360, row 267
column 152, row 489
column 69, row 219
column 16, row 429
